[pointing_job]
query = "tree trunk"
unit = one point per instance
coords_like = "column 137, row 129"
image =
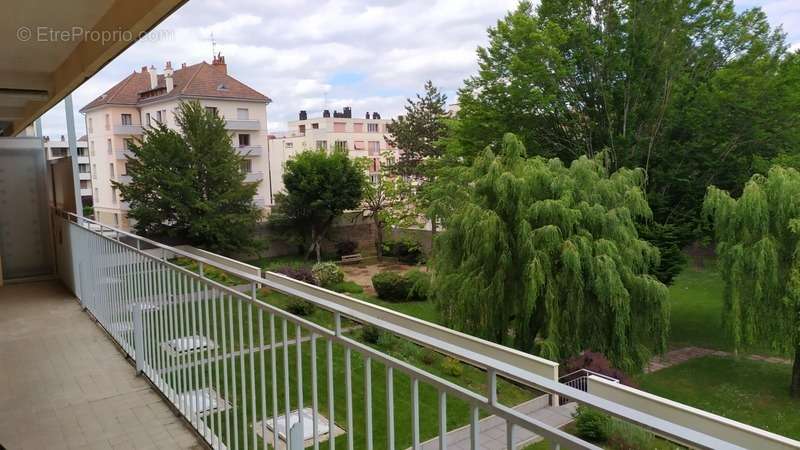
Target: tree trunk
column 794, row 390
column 379, row 239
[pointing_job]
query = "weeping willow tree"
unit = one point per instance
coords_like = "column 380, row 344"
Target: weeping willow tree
column 546, row 258
column 758, row 243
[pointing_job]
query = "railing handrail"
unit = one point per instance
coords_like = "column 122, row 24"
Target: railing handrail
column 587, row 373
column 323, row 298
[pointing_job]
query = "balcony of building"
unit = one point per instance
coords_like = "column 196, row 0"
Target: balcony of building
column 127, row 129
column 249, row 151
column 254, row 177
column 86, row 192
column 123, row 154
column 243, row 124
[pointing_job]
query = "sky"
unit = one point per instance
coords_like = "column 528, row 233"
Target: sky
column 326, row 54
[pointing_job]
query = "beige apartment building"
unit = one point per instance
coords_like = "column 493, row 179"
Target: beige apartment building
column 361, row 137
column 146, row 97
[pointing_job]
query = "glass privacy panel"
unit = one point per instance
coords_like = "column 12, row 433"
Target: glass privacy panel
column 24, row 230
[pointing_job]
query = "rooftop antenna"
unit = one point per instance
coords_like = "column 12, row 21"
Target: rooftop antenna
column 213, row 47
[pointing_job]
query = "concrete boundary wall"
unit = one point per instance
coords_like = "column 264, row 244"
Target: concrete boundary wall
column 711, row 424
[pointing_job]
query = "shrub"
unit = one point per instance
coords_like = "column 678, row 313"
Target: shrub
column 391, row 286
column 347, row 287
column 371, row 334
column 406, row 250
column 420, row 285
column 327, row 273
column 627, row 436
column 300, row 307
column 298, row 273
column 452, row 367
column 591, row 424
column 346, row 248
column 428, row 356
column 596, row 362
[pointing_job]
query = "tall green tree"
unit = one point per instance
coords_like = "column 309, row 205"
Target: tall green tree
column 420, row 134
column 319, row 186
column 758, row 243
column 189, row 185
column 546, row 258
column 688, row 90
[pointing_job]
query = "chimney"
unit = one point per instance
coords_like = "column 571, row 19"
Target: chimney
column 367, row 116
column 303, row 115
column 347, row 112
column 326, row 113
column 168, row 76
column 144, row 69
column 219, row 63
column 153, row 77
column 376, row 116
column 183, row 65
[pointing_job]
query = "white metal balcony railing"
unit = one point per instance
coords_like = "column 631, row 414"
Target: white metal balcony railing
column 124, row 179
column 124, row 154
column 127, row 129
column 85, row 192
column 83, row 160
column 253, row 177
column 250, row 151
column 237, row 368
column 243, row 124
column 84, row 175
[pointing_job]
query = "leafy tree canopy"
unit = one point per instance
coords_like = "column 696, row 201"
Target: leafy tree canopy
column 758, row 243
column 189, row 184
column 689, row 90
column 319, row 186
column 546, row 258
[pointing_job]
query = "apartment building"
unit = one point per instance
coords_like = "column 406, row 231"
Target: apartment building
column 58, row 149
column 117, row 117
column 360, row 137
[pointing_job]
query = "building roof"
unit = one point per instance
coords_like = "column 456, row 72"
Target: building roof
column 198, row 80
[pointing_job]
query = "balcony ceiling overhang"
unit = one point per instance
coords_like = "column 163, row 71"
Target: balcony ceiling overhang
column 51, row 47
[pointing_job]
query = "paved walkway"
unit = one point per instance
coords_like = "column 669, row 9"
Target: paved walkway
column 493, row 428
column 64, row 385
column 682, row 355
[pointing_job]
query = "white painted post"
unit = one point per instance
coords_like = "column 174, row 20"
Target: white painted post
column 138, row 337
column 296, row 436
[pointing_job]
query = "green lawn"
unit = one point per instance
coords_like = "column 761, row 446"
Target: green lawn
column 753, row 392
column 696, row 314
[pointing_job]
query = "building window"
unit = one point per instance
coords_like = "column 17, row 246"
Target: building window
column 91, row 128
column 125, row 168
column 96, row 195
column 374, row 148
column 302, row 129
column 211, row 109
column 164, row 116
column 289, row 145
column 322, row 145
column 126, row 119
column 113, row 195
column 375, row 178
column 116, row 217
column 111, row 169
column 247, row 166
column 244, row 140
column 372, row 127
column 315, row 126
column 338, row 127
column 242, row 113
column 128, row 142
column 94, row 171
column 91, row 148
column 108, row 146
column 375, row 165
column 147, row 119
column 108, row 122
column 84, row 184
column 358, row 127
column 340, row 145
column 159, row 119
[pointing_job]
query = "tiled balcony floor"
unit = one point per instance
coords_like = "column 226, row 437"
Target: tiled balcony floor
column 64, row 385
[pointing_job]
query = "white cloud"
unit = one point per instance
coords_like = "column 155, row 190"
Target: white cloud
column 294, row 50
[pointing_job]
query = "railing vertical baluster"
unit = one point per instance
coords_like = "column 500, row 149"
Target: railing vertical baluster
column 442, row 420
column 242, row 373
column 184, row 322
column 213, row 362
column 237, row 404
column 262, row 352
column 368, row 399
column 415, row 414
column 226, row 350
column 252, row 367
column 286, row 388
column 474, row 428
column 348, row 386
column 204, row 356
column 314, row 400
column 273, row 378
column 510, row 444
column 194, row 300
column 389, row 407
column 329, row 365
column 299, row 365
